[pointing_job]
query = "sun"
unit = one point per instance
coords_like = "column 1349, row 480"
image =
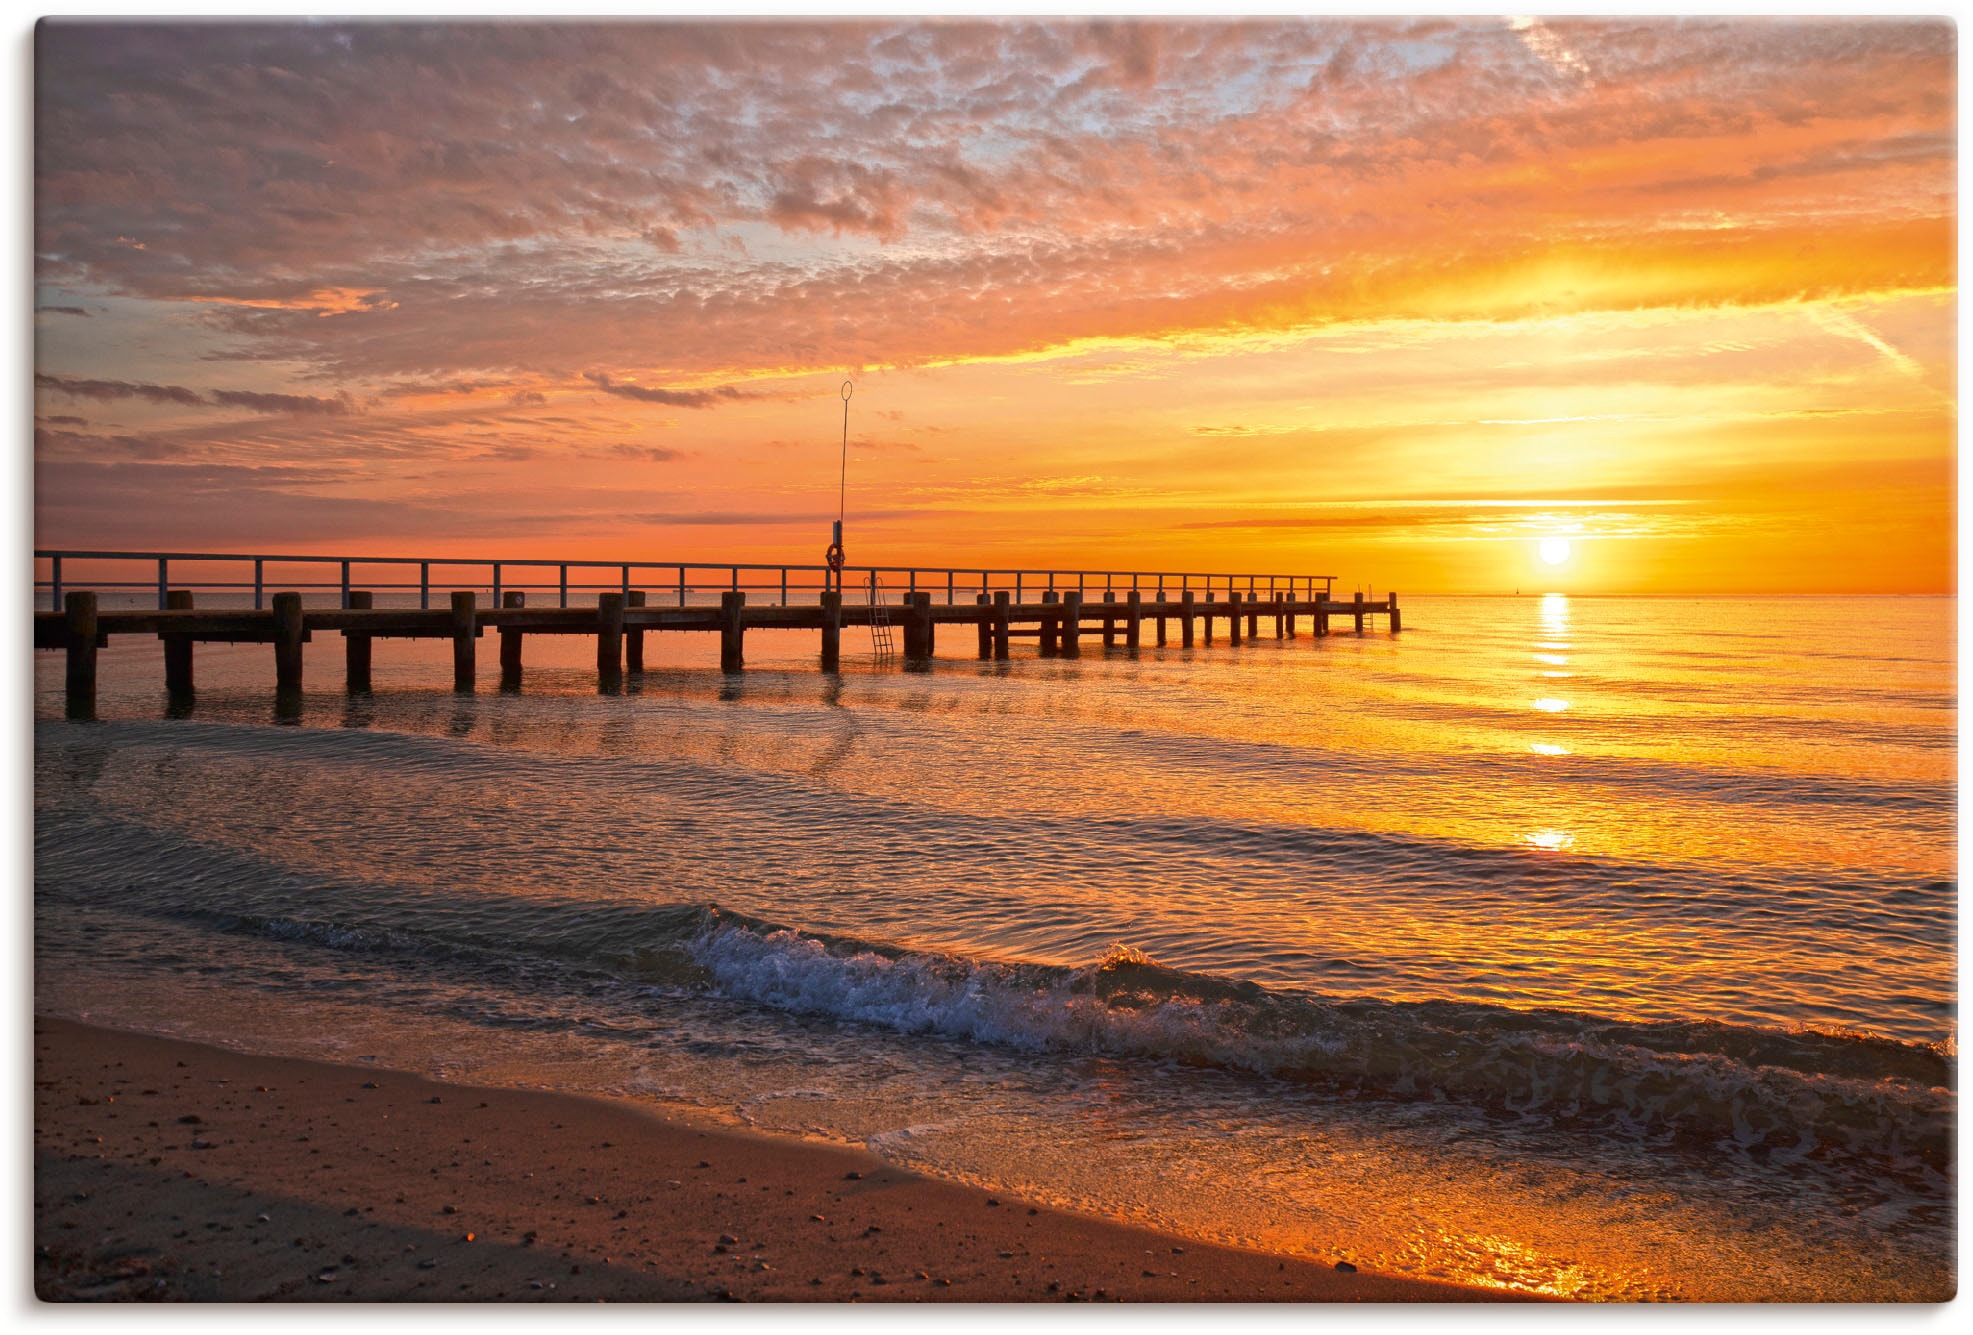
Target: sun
column 1554, row 550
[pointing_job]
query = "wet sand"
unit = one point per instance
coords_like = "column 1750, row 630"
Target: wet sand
column 170, row 1171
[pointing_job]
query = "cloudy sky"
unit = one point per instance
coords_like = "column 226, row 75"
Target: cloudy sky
column 1391, row 300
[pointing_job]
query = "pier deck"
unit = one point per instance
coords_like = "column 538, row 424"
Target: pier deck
column 620, row 618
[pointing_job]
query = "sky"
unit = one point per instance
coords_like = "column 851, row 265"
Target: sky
column 1401, row 301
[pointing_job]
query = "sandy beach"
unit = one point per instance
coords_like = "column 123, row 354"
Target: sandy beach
column 170, row 1171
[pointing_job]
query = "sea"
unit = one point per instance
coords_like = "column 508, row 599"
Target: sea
column 1592, row 947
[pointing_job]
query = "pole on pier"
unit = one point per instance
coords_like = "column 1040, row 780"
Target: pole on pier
column 732, row 631
column 609, row 635
column 1001, row 617
column 1133, row 619
column 510, row 641
column 1253, row 615
column 1072, row 624
column 177, row 648
column 288, row 637
column 986, row 627
column 1322, row 614
column 1397, row 620
column 1290, row 610
column 1280, row 617
column 1109, row 621
column 1359, row 611
column 1233, row 615
column 356, row 644
column 832, row 631
column 1050, row 626
column 80, row 610
column 633, row 636
column 465, row 636
column 1162, row 604
column 1186, row 604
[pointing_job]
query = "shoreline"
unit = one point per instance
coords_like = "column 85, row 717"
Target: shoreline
column 173, row 1171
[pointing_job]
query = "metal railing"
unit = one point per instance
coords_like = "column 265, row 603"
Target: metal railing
column 111, row 571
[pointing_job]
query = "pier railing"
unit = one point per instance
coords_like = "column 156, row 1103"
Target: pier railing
column 236, row 575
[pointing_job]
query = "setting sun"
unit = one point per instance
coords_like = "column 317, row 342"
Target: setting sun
column 1554, row 551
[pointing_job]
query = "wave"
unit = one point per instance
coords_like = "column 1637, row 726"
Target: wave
column 1788, row 1093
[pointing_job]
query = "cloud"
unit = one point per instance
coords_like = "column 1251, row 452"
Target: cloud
column 62, row 310
column 104, row 391
column 688, row 398
column 339, row 406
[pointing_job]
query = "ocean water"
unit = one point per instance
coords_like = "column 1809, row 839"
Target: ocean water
column 1592, row 947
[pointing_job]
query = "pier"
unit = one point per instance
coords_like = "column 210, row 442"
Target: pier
column 1062, row 610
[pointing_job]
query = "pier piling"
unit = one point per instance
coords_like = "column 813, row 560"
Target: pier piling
column 1397, row 620
column 289, row 635
column 1050, row 626
column 1233, row 616
column 1133, row 619
column 609, row 635
column 1072, row 624
column 985, row 628
column 510, row 640
column 732, row 631
column 832, row 632
column 633, row 636
column 1001, row 627
column 465, row 638
column 178, row 648
column 1186, row 604
column 356, row 644
column 1359, row 611
column 1109, row 620
column 79, row 609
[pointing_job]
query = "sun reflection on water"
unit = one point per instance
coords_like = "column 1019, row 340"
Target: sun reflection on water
column 1548, row 749
column 1548, row 704
column 1550, row 841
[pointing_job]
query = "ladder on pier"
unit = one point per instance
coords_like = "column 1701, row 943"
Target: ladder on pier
column 880, row 621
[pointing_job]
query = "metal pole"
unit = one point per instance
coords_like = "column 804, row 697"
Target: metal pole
column 681, row 586
column 256, row 584
column 565, row 584
column 55, row 573
column 496, row 584
column 626, row 585
column 424, row 586
column 164, row 579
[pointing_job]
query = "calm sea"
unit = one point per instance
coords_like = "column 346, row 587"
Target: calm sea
column 1601, row 947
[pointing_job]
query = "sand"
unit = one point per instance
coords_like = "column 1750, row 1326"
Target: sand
column 170, row 1171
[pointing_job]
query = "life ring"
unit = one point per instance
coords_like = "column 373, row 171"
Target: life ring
column 835, row 557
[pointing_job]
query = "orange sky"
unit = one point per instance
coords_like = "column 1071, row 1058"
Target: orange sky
column 1390, row 300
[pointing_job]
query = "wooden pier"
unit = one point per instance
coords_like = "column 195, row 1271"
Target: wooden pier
column 1060, row 619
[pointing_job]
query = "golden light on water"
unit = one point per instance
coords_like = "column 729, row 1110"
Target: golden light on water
column 1548, row 749
column 1549, row 704
column 1550, row 841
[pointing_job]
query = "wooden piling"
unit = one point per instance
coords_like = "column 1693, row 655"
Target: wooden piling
column 1109, row 621
column 928, row 631
column 1397, row 620
column 986, row 627
column 1253, row 617
column 732, row 631
column 1321, row 615
column 832, row 632
column 1359, row 611
column 80, row 610
column 356, row 646
column 1162, row 604
column 178, row 648
column 1185, row 605
column 1133, row 617
column 609, row 634
column 510, row 641
column 288, row 637
column 1050, row 626
column 1233, row 616
column 1001, row 601
column 633, row 637
column 1290, row 608
column 1280, row 617
column 1072, row 624
column 465, row 638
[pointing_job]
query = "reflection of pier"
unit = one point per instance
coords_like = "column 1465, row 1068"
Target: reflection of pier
column 1057, row 608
